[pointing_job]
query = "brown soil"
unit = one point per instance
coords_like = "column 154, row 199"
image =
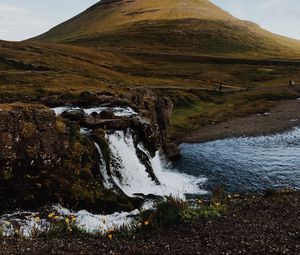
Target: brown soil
column 254, row 225
column 284, row 116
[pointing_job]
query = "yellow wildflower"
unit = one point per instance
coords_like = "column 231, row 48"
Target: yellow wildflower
column 50, row 215
column 67, row 220
column 110, row 236
column 146, row 223
column 37, row 219
column 56, row 217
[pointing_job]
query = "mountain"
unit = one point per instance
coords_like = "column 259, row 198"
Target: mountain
column 170, row 26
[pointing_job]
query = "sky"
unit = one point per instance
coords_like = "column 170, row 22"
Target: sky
column 23, row 19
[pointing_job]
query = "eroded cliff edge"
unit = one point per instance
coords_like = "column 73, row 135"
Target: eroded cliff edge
column 45, row 158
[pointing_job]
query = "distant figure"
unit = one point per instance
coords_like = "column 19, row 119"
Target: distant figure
column 220, row 87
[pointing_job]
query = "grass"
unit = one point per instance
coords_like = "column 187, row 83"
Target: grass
column 184, row 76
column 193, row 110
column 169, row 26
column 173, row 211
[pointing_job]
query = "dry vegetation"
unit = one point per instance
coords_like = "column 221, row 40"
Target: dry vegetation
column 182, row 49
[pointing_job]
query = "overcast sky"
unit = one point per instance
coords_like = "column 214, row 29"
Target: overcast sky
column 22, row 19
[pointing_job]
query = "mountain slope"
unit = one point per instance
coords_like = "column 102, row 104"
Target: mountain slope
column 181, row 26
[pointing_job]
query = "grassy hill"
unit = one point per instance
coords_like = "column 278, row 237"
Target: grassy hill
column 182, row 49
column 173, row 26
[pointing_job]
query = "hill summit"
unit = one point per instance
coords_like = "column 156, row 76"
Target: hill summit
column 181, row 26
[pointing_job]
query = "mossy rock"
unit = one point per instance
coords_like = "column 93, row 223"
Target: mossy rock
column 28, row 129
column 61, row 126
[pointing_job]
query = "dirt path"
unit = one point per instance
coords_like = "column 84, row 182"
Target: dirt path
column 284, row 116
column 256, row 225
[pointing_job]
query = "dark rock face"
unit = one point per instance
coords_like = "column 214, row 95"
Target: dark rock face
column 153, row 120
column 172, row 151
column 33, row 134
column 45, row 160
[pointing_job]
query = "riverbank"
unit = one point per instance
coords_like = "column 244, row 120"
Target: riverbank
column 283, row 116
column 252, row 225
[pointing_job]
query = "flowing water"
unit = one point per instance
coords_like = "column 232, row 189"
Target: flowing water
column 135, row 179
column 245, row 164
column 239, row 165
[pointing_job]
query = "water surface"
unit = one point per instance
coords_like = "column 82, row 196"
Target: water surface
column 245, row 164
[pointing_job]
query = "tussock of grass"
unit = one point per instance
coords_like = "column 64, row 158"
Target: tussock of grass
column 174, row 211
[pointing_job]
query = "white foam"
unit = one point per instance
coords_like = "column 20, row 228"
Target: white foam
column 28, row 225
column 59, row 110
column 23, row 224
column 93, row 223
column 118, row 111
column 135, row 179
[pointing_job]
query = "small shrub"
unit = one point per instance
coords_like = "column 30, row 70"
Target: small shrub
column 174, row 211
column 61, row 228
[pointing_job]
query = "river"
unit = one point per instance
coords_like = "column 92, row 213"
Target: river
column 245, row 164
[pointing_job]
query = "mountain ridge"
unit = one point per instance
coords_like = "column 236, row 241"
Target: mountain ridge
column 189, row 26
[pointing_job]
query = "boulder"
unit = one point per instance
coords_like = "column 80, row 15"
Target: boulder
column 107, row 114
column 75, row 115
column 108, row 124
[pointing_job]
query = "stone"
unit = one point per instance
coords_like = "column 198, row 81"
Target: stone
column 107, row 114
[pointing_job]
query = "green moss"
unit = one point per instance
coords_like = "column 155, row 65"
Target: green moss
column 28, row 129
column 60, row 126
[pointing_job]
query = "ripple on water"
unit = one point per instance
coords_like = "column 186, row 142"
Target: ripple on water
column 246, row 164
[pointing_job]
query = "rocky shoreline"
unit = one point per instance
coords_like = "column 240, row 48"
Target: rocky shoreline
column 253, row 224
column 283, row 116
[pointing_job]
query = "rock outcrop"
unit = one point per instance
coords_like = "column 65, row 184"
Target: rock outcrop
column 46, row 160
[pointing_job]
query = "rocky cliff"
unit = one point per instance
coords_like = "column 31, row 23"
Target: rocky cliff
column 45, row 158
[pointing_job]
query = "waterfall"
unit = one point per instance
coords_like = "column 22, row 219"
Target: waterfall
column 103, row 171
column 132, row 168
column 130, row 174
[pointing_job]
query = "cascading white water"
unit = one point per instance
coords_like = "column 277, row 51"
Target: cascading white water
column 118, row 111
column 106, row 179
column 135, row 179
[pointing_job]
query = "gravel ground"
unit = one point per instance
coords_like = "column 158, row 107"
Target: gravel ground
column 285, row 115
column 256, row 225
